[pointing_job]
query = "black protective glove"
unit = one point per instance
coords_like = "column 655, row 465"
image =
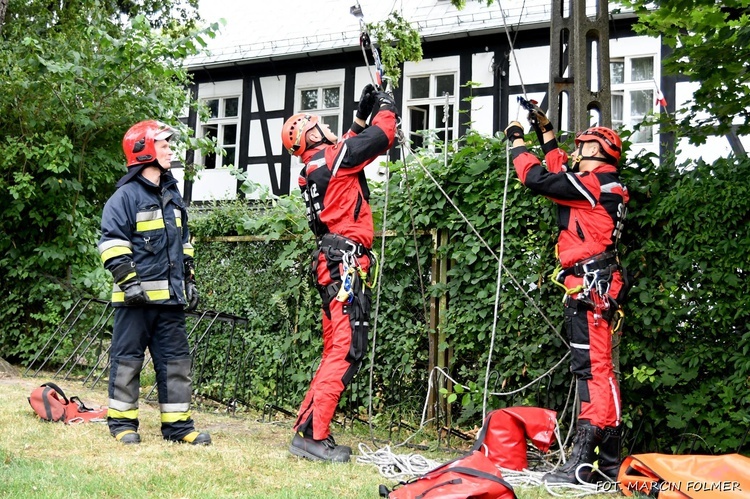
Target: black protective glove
column 191, row 293
column 514, row 131
column 539, row 120
column 384, row 100
column 191, row 290
column 134, row 293
column 366, row 102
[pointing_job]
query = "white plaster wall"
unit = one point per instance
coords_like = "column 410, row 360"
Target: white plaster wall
column 481, row 114
column 635, row 46
column 211, row 185
column 533, row 64
column 433, row 65
column 256, row 146
column 361, row 78
column 219, row 89
column 259, row 175
column 481, row 69
column 179, row 175
column 273, row 93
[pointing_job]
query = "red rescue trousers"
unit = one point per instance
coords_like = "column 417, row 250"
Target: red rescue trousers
column 589, row 330
column 345, row 329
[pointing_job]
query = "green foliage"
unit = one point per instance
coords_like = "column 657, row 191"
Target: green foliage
column 709, row 42
column 398, row 41
column 73, row 77
column 266, row 280
column 685, row 350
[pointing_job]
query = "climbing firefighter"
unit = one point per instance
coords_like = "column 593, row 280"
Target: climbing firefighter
column 592, row 205
column 145, row 244
column 336, row 194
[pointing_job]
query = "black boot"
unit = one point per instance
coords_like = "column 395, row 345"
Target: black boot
column 586, row 439
column 333, row 441
column 608, row 455
column 319, row 450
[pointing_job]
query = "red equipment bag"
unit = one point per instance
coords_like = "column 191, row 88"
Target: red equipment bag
column 504, row 433
column 470, row 477
column 51, row 404
column 685, row 476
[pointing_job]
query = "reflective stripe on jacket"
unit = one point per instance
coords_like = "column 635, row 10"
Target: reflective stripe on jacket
column 145, row 226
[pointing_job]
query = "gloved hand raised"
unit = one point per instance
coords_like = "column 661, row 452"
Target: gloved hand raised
column 384, row 100
column 514, row 131
column 134, row 293
column 366, row 102
column 539, row 121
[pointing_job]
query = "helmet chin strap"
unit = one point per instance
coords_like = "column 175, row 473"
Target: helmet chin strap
column 578, row 156
column 323, row 140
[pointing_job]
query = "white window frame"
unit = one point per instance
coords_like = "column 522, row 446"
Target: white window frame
column 626, row 91
column 221, row 122
column 432, row 102
column 324, row 112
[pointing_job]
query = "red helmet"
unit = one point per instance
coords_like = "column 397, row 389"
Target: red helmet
column 294, row 130
column 608, row 140
column 138, row 143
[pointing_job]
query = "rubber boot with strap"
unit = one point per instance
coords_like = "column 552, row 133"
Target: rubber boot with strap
column 608, row 452
column 587, row 438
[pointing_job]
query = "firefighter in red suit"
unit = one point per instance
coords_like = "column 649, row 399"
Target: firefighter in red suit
column 592, row 205
column 336, row 194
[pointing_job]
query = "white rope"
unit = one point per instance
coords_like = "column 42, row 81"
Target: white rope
column 396, row 466
column 381, row 259
column 486, row 245
column 498, row 285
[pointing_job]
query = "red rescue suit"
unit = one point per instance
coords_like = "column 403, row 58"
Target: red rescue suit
column 591, row 210
column 335, row 190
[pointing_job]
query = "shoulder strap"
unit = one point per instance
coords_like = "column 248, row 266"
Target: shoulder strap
column 481, row 474
column 58, row 390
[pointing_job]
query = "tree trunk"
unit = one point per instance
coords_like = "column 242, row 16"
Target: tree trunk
column 3, row 9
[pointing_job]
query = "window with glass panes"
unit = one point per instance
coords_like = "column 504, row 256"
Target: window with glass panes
column 430, row 102
column 223, row 125
column 633, row 94
column 326, row 103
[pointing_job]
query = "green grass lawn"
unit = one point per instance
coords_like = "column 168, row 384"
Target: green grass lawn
column 248, row 458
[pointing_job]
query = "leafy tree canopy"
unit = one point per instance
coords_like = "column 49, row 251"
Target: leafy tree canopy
column 74, row 76
column 711, row 45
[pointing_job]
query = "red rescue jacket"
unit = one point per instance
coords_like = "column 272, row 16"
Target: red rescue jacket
column 333, row 180
column 591, row 205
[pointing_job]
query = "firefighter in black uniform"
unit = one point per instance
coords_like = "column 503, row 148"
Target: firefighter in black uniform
column 145, row 244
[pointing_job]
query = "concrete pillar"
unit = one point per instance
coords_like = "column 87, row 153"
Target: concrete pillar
column 579, row 84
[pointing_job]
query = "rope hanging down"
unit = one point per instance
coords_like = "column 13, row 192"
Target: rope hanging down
column 398, row 466
column 366, row 43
